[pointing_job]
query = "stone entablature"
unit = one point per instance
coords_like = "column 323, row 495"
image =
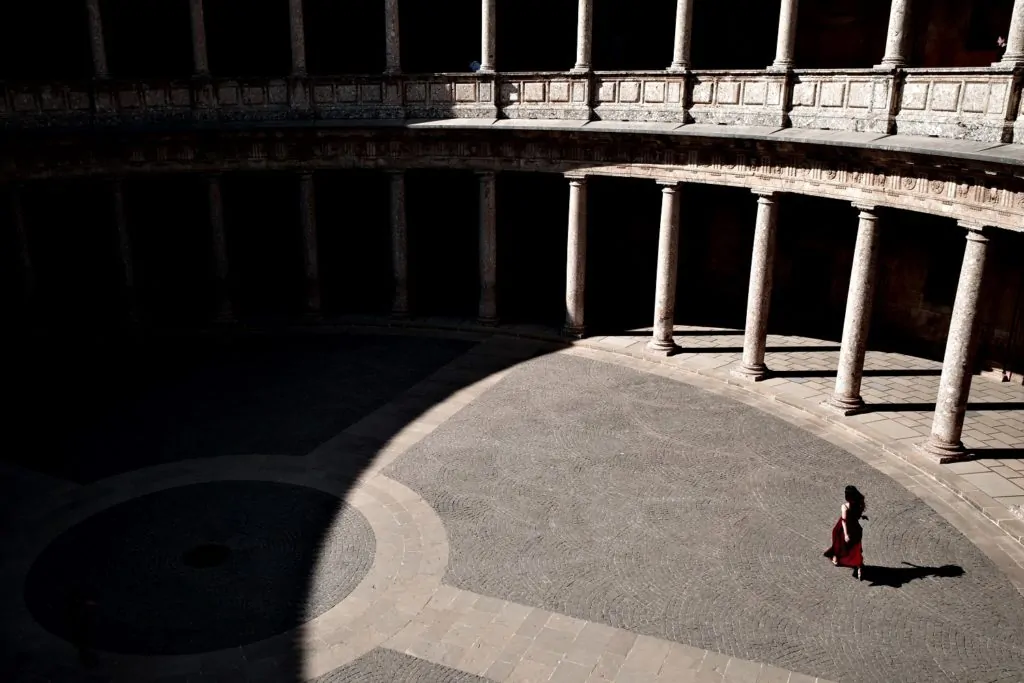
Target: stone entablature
column 973, row 192
column 979, row 104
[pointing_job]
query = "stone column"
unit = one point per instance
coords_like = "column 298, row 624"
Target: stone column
column 576, row 257
column 944, row 444
column 298, row 32
column 1014, row 55
column 399, row 246
column 392, row 43
column 307, row 212
column 896, row 40
column 759, row 293
column 846, row 398
column 225, row 313
column 684, row 31
column 786, row 43
column 488, row 28
column 24, row 252
column 488, row 310
column 665, row 289
column 99, row 50
column 584, row 34
column 200, row 64
column 125, row 247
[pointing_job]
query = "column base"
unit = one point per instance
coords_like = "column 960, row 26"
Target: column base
column 751, row 373
column 312, row 316
column 225, row 317
column 943, row 452
column 580, row 69
column 487, row 321
column 576, row 332
column 844, row 405
column 399, row 314
column 662, row 347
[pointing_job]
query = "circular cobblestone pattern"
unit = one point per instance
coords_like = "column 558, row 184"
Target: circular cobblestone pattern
column 200, row 567
column 645, row 503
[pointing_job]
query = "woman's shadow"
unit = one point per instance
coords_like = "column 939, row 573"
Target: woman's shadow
column 896, row 577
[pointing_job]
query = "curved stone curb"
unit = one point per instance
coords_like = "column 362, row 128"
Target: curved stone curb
column 410, row 558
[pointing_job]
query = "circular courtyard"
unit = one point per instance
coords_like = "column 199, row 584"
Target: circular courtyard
column 481, row 508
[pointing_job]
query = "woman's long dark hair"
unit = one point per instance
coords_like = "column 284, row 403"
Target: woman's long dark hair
column 856, row 500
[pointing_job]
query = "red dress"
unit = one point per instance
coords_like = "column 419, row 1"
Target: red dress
column 847, row 554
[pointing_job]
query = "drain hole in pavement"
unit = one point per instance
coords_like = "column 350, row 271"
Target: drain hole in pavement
column 206, row 555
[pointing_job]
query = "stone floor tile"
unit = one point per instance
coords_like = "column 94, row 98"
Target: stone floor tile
column 607, row 667
column 621, row 643
column 570, row 672
column 553, row 640
column 993, row 484
column 742, row 671
column 893, row 430
column 533, row 623
column 529, row 671
column 500, row 670
column 478, row 659
column 771, row 674
column 967, row 467
column 647, row 655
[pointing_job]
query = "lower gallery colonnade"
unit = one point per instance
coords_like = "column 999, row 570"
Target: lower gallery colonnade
column 944, row 443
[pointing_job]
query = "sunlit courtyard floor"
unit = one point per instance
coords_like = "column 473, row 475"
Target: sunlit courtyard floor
column 416, row 508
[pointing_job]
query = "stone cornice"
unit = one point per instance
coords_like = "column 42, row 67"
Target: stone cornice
column 969, row 192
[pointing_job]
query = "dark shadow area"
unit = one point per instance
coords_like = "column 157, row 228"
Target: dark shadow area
column 45, row 41
column 243, row 41
column 748, row 43
column 75, row 255
column 531, row 247
column 909, row 407
column 626, row 38
column 353, row 241
column 997, row 453
column 948, row 33
column 441, row 36
column 841, row 34
column 224, row 564
column 897, row 577
column 264, row 243
column 932, row 372
column 147, row 40
column 442, row 209
column 536, row 35
column 622, row 252
column 344, row 37
column 171, row 245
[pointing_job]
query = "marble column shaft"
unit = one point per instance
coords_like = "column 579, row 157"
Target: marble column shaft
column 125, row 247
column 399, row 246
column 392, row 50
column 200, row 62
column 759, row 293
column 488, row 242
column 584, row 34
column 307, row 213
column 220, row 250
column 857, row 321
column 96, row 43
column 576, row 257
column 955, row 382
column 25, row 253
column 1014, row 55
column 489, row 30
column 298, row 37
column 683, row 35
column 786, row 43
column 668, row 256
column 896, row 39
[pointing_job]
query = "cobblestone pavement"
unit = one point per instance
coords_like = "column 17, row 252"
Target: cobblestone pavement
column 405, row 622
column 900, row 391
column 652, row 506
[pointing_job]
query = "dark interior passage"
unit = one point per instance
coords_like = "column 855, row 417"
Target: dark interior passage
column 354, row 241
column 244, row 42
column 532, row 233
column 442, row 209
column 344, row 37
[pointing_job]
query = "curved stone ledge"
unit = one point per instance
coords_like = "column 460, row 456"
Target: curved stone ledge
column 978, row 104
column 890, row 171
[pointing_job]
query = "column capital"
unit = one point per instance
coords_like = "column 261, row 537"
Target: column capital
column 669, row 185
column 765, row 196
column 576, row 178
column 864, row 208
column 975, row 231
column 485, row 175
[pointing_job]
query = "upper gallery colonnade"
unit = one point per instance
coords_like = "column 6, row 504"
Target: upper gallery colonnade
column 895, row 56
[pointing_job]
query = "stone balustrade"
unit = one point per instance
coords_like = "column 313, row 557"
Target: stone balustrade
column 979, row 104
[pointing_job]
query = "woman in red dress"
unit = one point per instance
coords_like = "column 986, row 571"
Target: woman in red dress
column 846, row 548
